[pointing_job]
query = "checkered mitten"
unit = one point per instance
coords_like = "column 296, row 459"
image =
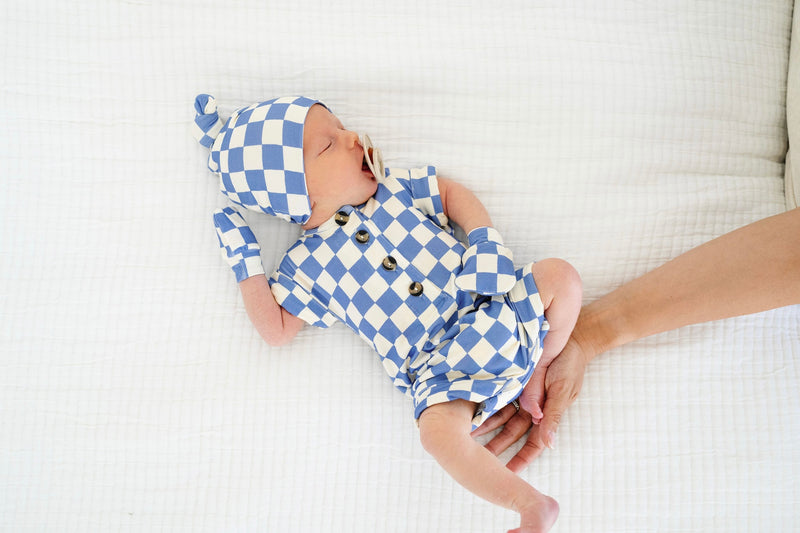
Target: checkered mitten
column 488, row 266
column 238, row 244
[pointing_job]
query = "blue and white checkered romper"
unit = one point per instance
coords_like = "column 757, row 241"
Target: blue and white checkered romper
column 387, row 269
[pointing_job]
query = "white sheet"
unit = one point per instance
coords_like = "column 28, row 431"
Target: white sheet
column 136, row 396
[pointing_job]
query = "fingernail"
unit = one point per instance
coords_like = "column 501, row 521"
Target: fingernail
column 551, row 440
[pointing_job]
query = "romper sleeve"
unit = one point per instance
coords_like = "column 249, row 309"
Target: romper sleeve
column 423, row 186
column 294, row 292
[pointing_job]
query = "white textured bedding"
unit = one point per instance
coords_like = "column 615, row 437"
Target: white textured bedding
column 136, row 396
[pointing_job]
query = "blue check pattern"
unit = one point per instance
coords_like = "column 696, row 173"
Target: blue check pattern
column 238, row 244
column 488, row 266
column 387, row 269
column 207, row 123
column 258, row 154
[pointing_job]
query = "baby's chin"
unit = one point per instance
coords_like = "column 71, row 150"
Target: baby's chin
column 370, row 177
column 370, row 190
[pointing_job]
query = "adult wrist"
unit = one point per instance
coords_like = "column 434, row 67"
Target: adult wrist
column 598, row 330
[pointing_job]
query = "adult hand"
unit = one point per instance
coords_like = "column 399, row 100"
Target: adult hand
column 563, row 382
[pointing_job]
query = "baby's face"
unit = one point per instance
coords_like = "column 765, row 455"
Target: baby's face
column 336, row 173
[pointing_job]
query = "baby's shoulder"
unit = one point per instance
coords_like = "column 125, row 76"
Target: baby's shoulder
column 409, row 179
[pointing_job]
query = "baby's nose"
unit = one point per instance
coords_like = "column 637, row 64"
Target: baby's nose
column 352, row 138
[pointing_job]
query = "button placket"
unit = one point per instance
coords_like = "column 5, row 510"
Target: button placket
column 389, row 263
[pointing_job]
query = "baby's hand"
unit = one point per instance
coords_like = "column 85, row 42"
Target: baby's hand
column 238, row 244
column 488, row 266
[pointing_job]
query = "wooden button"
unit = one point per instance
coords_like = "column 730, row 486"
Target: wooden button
column 362, row 236
column 415, row 289
column 341, row 218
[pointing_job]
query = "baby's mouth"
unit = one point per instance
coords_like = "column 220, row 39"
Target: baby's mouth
column 365, row 165
column 371, row 162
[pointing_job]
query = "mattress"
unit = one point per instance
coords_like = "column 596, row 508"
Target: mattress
column 135, row 395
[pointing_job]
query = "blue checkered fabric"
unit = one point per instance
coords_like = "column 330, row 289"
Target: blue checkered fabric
column 488, row 266
column 387, row 269
column 207, row 123
column 238, row 244
column 258, row 155
column 488, row 352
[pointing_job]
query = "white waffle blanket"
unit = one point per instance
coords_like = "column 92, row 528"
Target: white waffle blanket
column 135, row 395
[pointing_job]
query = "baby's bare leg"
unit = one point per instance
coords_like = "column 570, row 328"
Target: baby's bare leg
column 445, row 434
column 561, row 292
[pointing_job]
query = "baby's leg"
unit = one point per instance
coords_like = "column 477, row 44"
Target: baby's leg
column 445, row 434
column 561, row 292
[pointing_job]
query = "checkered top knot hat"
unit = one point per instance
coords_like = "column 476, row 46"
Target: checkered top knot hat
column 258, row 154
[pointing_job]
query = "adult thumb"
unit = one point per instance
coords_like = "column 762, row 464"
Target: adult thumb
column 556, row 403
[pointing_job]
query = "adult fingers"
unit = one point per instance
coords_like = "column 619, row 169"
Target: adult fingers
column 563, row 383
column 496, row 420
column 559, row 397
column 514, row 430
column 532, row 449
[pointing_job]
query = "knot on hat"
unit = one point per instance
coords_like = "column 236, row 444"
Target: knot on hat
column 207, row 123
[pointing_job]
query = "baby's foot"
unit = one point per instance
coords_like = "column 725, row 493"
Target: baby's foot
column 532, row 397
column 538, row 515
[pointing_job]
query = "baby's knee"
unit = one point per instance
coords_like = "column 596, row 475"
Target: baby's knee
column 557, row 278
column 442, row 424
column 433, row 437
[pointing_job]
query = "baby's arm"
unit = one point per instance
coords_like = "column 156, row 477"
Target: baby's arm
column 445, row 434
column 274, row 323
column 462, row 206
column 487, row 265
column 242, row 252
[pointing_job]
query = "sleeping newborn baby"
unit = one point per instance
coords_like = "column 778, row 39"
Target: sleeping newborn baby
column 458, row 327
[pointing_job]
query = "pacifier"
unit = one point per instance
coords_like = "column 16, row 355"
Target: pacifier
column 373, row 157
